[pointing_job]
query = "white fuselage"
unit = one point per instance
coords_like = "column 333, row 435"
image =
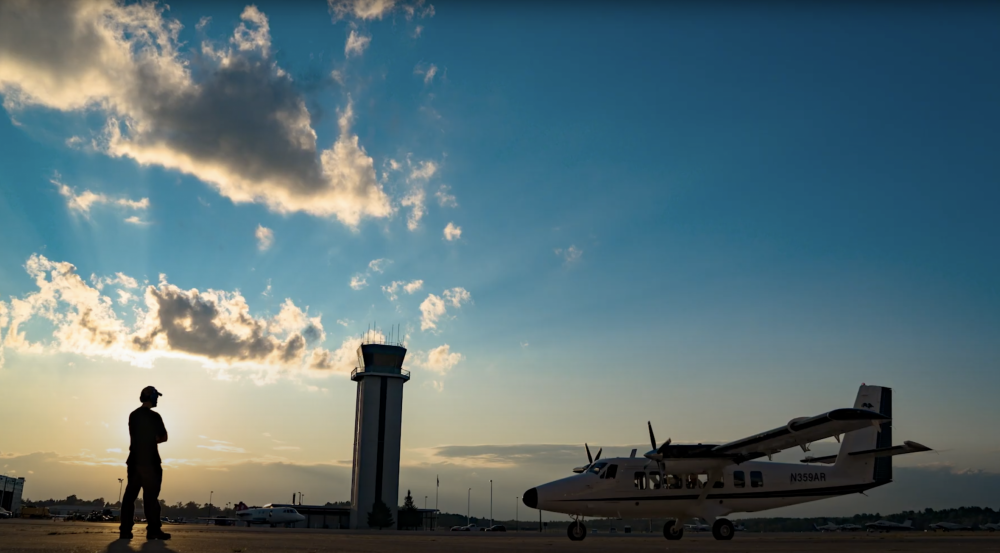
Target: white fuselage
column 637, row 490
column 270, row 515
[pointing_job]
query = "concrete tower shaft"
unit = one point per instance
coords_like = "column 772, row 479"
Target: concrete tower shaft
column 377, row 429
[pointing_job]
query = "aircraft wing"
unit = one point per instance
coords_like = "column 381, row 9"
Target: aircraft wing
column 801, row 432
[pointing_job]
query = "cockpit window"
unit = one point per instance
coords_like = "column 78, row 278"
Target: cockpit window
column 596, row 467
column 611, row 472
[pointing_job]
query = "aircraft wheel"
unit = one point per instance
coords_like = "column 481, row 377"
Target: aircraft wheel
column 576, row 531
column 723, row 529
column 672, row 530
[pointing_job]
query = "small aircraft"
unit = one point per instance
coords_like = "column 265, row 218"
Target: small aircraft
column 711, row 481
column 991, row 527
column 889, row 526
column 269, row 515
column 698, row 526
column 829, row 527
column 851, row 527
column 4, row 513
column 948, row 527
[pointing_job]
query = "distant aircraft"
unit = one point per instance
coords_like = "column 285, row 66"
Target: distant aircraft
column 948, row 526
column 992, row 527
column 269, row 515
column 711, row 481
column 831, row 527
column 889, row 526
column 698, row 526
column 851, row 527
column 4, row 513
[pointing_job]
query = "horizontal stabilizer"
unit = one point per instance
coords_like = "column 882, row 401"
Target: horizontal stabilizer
column 826, row 460
column 907, row 447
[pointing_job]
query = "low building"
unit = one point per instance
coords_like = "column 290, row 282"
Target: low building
column 11, row 489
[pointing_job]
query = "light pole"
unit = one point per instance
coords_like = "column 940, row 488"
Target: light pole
column 491, row 502
column 468, row 507
column 425, row 502
column 210, row 493
column 120, row 481
column 517, row 525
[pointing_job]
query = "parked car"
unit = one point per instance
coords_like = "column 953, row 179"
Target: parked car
column 469, row 528
column 497, row 528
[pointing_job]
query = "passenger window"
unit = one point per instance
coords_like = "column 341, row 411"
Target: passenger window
column 691, row 481
column 702, row 480
column 720, row 483
column 673, row 482
column 640, row 480
column 739, row 479
column 611, row 472
column 654, row 480
column 756, row 479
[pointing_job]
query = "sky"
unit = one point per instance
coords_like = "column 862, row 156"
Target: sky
column 709, row 216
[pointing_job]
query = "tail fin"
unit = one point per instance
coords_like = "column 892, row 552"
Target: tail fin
column 878, row 399
column 908, row 523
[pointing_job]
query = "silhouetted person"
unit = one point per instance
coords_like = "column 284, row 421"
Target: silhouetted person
column 145, row 427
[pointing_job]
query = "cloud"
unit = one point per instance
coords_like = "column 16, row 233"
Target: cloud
column 428, row 72
column 392, row 290
column 570, row 255
column 344, row 359
column 286, row 448
column 439, row 360
column 377, row 9
column 415, row 201
column 211, row 326
column 434, row 307
column 359, row 281
column 444, row 198
column 135, row 220
column 81, row 203
column 452, row 232
column 228, row 115
column 223, row 448
column 378, row 265
column 265, row 237
column 423, row 170
column 356, row 44
column 420, row 172
column 360, row 9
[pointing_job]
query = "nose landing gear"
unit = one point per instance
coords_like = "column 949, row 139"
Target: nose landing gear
column 576, row 530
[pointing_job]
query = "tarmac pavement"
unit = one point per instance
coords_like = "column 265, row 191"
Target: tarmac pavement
column 35, row 536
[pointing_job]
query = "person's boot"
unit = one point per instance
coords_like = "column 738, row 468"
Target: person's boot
column 157, row 535
column 124, row 535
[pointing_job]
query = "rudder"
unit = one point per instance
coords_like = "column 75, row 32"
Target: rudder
column 878, row 399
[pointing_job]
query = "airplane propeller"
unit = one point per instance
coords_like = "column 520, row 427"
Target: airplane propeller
column 590, row 460
column 652, row 440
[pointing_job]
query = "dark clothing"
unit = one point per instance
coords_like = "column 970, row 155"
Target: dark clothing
column 149, row 478
column 144, row 426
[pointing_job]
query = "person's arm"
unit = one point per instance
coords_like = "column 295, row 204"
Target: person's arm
column 161, row 436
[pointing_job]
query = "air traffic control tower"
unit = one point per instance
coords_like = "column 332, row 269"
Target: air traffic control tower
column 377, row 425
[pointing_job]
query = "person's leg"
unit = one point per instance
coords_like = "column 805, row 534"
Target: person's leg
column 128, row 501
column 152, row 477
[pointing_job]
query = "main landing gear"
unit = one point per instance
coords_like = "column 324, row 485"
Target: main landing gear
column 673, row 530
column 576, row 531
column 723, row 529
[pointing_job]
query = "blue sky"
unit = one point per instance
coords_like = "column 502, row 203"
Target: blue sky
column 715, row 218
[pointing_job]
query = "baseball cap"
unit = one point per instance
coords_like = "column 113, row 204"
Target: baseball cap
column 148, row 393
